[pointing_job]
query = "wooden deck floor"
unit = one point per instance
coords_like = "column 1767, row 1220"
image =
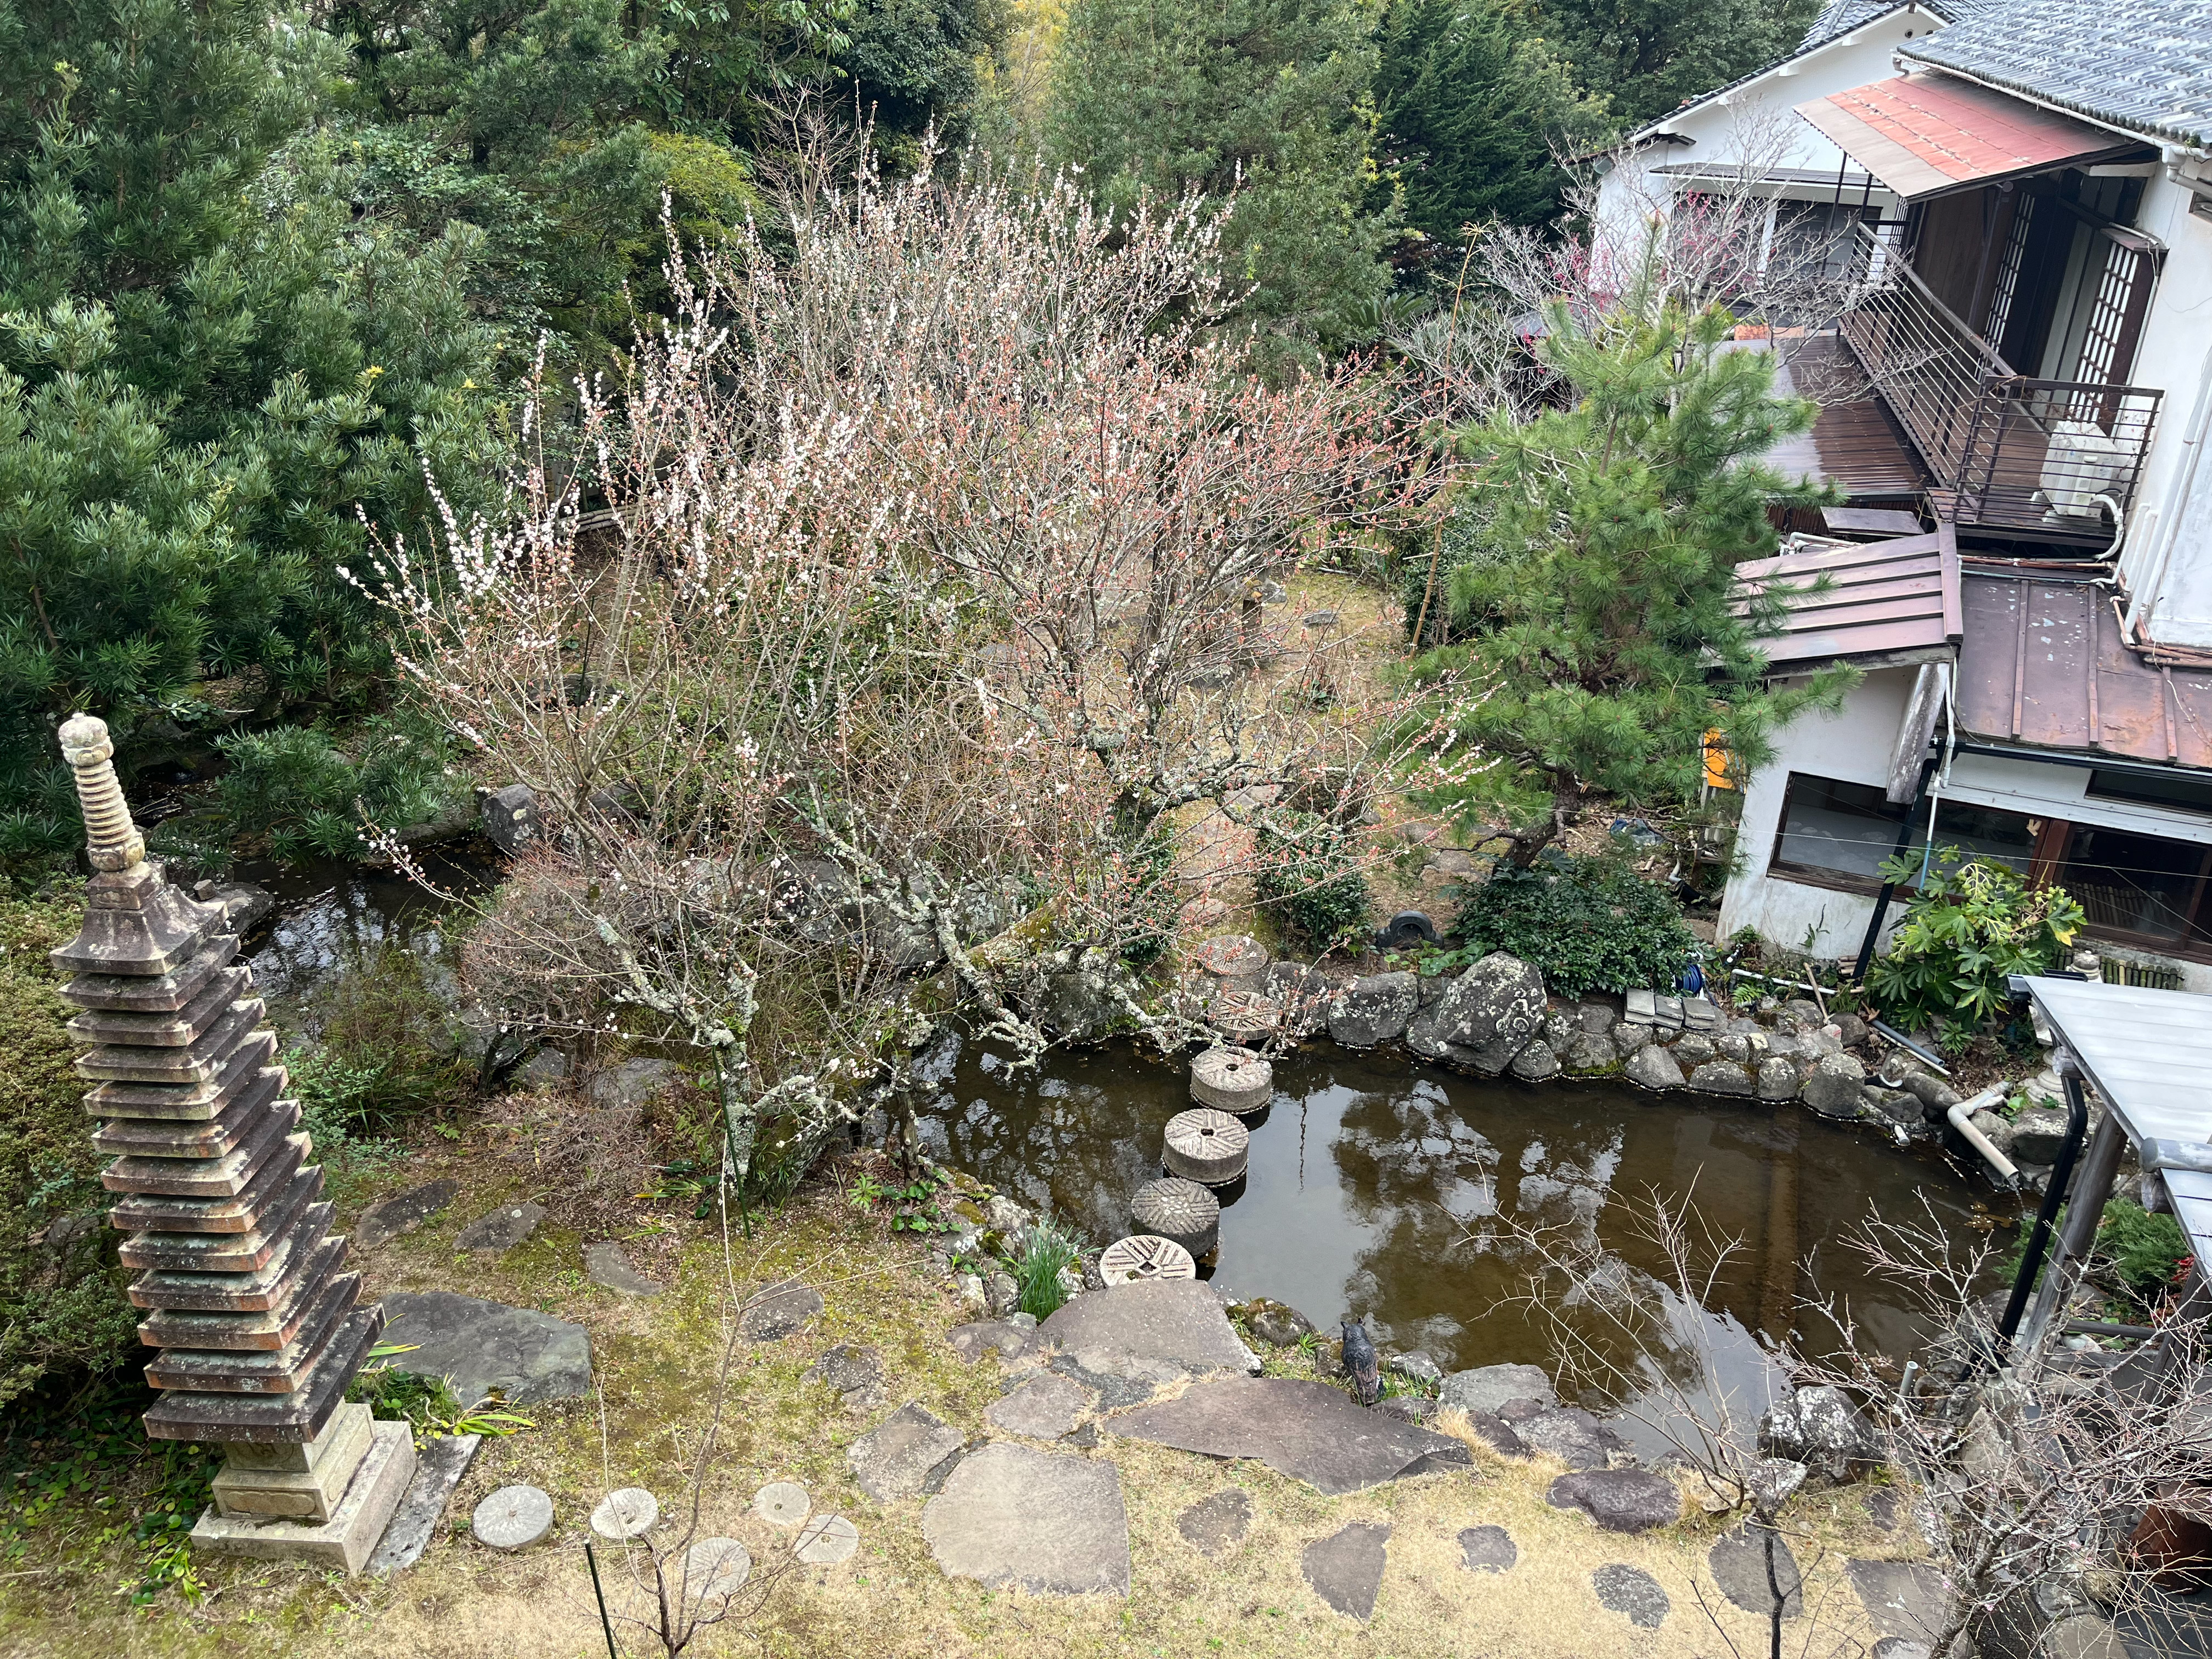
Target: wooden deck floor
column 1854, row 443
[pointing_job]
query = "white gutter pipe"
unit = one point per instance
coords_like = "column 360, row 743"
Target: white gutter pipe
column 1981, row 1143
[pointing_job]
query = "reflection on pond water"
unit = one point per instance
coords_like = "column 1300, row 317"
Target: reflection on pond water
column 1379, row 1188
column 331, row 915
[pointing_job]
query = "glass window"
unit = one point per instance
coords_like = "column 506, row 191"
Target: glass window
column 2141, row 885
column 1846, row 830
column 2190, row 792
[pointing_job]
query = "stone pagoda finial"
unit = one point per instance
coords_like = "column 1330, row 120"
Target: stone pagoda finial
column 111, row 837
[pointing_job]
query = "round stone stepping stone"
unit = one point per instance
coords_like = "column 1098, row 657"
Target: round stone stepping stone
column 715, row 1569
column 1345, row 1568
column 1231, row 1081
column 512, row 1518
column 1753, row 1568
column 1618, row 1500
column 1487, row 1549
column 783, row 1504
column 1180, row 1210
column 1214, row 1524
column 1044, row 1408
column 1051, row 1524
column 826, row 1540
column 1131, row 1260
column 1207, row 1146
column 1633, row 1593
column 629, row 1513
column 1233, row 956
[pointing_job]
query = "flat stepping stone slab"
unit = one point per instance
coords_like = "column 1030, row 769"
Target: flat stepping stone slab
column 1216, row 1524
column 1571, row 1435
column 625, row 1514
column 1016, row 1517
column 855, row 1373
column 503, row 1229
column 908, row 1454
column 782, row 1503
column 1132, row 1329
column 512, row 1518
column 1307, row 1430
column 972, row 1342
column 439, row 1467
column 1618, row 1500
column 1754, row 1568
column 1487, row 1549
column 826, row 1540
column 1633, row 1593
column 608, row 1266
column 1345, row 1568
column 528, row 1357
column 1902, row 1598
column 781, row 1310
column 1491, row 1388
column 715, row 1569
column 1045, row 1407
column 403, row 1213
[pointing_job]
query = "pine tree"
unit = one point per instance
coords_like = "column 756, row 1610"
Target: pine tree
column 1600, row 604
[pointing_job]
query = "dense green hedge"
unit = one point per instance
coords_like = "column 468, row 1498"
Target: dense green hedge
column 1587, row 923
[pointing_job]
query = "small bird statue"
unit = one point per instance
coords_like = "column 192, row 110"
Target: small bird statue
column 1362, row 1364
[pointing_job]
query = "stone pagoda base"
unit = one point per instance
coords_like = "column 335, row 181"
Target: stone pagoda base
column 323, row 1503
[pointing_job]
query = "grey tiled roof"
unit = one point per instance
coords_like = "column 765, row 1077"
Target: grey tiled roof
column 2145, row 65
column 1841, row 16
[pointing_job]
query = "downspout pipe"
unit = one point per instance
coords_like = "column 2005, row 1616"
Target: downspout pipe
column 1960, row 1116
column 2038, row 1240
column 1889, row 888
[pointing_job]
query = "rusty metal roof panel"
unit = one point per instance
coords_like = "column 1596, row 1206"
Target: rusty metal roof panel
column 1879, row 599
column 2043, row 664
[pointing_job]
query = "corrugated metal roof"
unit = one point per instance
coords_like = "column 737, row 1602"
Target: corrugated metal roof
column 1882, row 598
column 1926, row 134
column 2043, row 664
column 2142, row 64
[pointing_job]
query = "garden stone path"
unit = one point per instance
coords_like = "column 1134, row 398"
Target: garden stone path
column 908, row 1454
column 972, row 1342
column 1487, row 1549
column 781, row 1310
column 1633, row 1593
column 608, row 1266
column 529, row 1356
column 1044, row 1408
column 1902, row 1598
column 1618, row 1500
column 1571, row 1435
column 1307, row 1430
column 1215, row 1525
column 403, row 1213
column 1739, row 1564
column 1152, row 1330
column 1345, row 1568
column 854, row 1374
column 1050, row 1524
column 503, row 1229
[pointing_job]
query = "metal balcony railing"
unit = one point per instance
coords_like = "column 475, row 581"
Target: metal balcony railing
column 2007, row 452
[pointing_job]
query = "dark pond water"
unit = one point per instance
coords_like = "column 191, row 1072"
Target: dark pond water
column 1381, row 1189
column 331, row 915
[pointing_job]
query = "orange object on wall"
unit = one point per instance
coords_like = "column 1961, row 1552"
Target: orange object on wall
column 1717, row 763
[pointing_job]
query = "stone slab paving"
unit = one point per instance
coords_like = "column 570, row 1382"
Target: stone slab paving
column 1345, row 1568
column 529, row 1356
column 1487, row 1387
column 1133, row 1329
column 403, row 1213
column 826, row 1540
column 608, row 1266
column 908, row 1454
column 1016, row 1517
column 512, row 1518
column 1044, row 1408
column 783, row 1308
column 1132, row 1384
column 1487, row 1549
column 1902, row 1598
column 971, row 1342
column 503, row 1229
column 1307, row 1430
column 855, row 1373
column 1215, row 1525
column 1618, row 1500
column 1633, row 1593
column 1753, row 1567
column 438, row 1470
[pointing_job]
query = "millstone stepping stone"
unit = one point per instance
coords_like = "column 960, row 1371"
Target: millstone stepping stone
column 503, row 1229
column 1633, row 1593
column 609, row 1268
column 403, row 1213
column 1015, row 1517
column 1214, row 1524
column 1754, row 1568
column 1233, row 956
column 972, row 1342
column 629, row 1513
column 512, row 1518
column 1618, row 1500
column 1207, row 1147
column 1156, row 1328
column 781, row 1504
column 1307, row 1430
column 715, row 1569
column 905, row 1455
column 481, row 1346
column 1492, row 1387
column 439, row 1467
column 826, row 1540
column 1132, row 1260
column 1231, row 1081
column 781, row 1310
column 1246, row 1016
column 1180, row 1210
column 1044, row 1408
column 1487, row 1549
column 1902, row 1598
column 1345, row 1568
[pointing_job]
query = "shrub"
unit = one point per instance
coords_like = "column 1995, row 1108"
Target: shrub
column 2146, row 1250
column 304, row 796
column 1307, row 878
column 1586, row 924
column 1971, row 925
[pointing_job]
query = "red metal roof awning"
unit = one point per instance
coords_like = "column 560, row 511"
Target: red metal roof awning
column 1926, row 134
column 1894, row 600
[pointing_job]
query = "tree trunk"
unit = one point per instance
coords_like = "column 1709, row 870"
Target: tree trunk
column 1529, row 843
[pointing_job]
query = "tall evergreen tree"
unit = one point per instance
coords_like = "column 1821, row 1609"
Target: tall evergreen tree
column 1273, row 95
column 1647, row 56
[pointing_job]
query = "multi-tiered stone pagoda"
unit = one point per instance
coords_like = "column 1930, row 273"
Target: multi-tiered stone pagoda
column 257, row 1328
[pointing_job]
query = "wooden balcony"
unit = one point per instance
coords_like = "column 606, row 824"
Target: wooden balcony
column 2006, row 454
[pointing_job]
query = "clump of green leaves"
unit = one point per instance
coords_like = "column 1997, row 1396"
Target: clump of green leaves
column 1037, row 1270
column 1586, row 924
column 2148, row 1252
column 911, row 1206
column 1972, row 924
column 1307, row 878
column 427, row 1404
column 307, row 796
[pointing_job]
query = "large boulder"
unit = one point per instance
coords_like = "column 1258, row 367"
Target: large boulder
column 1374, row 1008
column 1082, row 996
column 1822, row 1429
column 1490, row 1387
column 1835, row 1086
column 1720, row 1077
column 1488, row 1017
column 2038, row 1135
column 1652, row 1068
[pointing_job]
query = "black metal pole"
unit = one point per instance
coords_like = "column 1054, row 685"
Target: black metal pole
column 2038, row 1240
column 1889, row 888
column 600, row 1595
